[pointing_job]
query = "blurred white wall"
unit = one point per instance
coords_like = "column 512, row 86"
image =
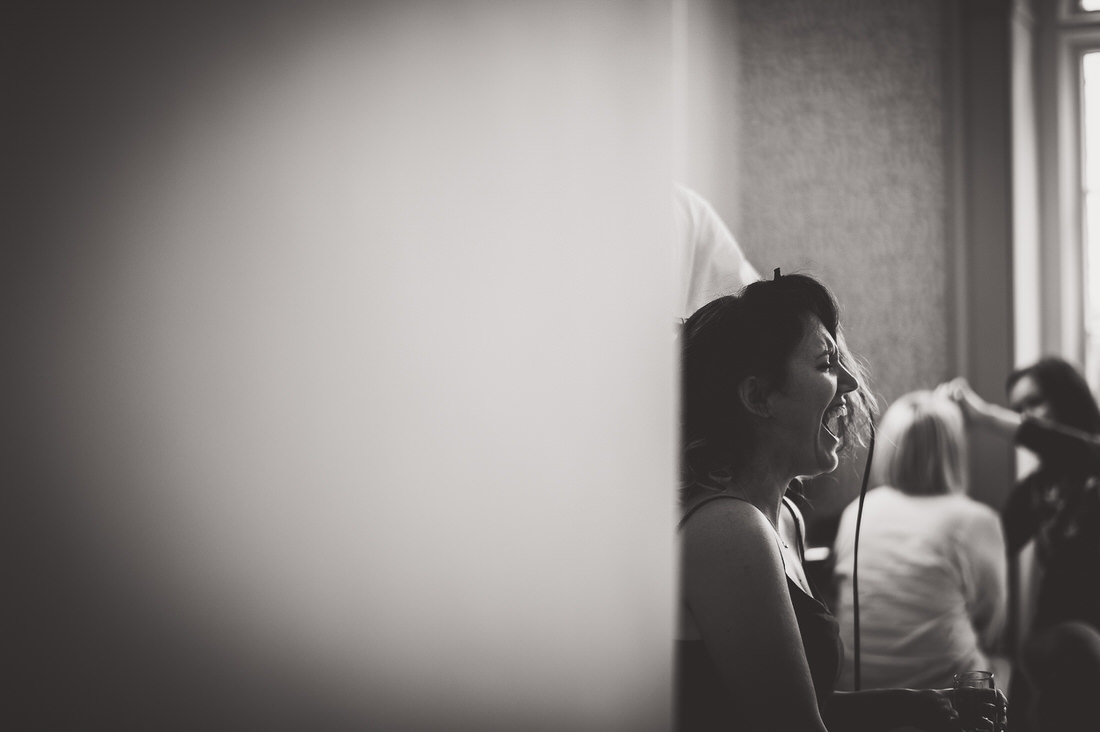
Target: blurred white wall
column 707, row 109
column 344, row 391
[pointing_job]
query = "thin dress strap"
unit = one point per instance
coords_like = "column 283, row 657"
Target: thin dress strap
column 796, row 515
column 708, row 499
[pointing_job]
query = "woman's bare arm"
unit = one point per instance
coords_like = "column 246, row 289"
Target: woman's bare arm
column 736, row 591
column 880, row 710
column 998, row 419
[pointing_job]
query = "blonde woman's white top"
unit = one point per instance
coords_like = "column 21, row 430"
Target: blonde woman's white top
column 931, row 585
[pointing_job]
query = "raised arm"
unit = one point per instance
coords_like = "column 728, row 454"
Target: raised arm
column 1050, row 441
column 736, row 592
column 997, row 419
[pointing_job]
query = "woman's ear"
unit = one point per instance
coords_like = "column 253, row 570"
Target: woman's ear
column 753, row 393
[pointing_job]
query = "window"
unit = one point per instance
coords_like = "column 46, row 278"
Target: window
column 1071, row 245
column 1090, row 205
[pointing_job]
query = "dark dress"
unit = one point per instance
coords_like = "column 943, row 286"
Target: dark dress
column 1058, row 506
column 702, row 702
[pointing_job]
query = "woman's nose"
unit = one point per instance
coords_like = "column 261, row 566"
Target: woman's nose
column 845, row 381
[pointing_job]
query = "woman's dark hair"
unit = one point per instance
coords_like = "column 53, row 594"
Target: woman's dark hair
column 1065, row 390
column 729, row 339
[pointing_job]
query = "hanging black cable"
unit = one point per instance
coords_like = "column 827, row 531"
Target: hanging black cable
column 855, row 555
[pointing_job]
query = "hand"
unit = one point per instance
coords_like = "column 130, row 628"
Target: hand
column 931, row 710
column 958, row 390
column 994, row 716
column 1000, row 721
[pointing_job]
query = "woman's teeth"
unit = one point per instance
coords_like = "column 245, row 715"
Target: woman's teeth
column 831, row 421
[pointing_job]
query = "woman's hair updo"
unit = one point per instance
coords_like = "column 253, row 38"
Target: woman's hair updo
column 729, row 339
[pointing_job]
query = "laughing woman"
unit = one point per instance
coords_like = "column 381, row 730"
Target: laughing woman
column 769, row 395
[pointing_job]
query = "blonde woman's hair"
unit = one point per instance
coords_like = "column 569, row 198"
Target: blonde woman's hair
column 922, row 447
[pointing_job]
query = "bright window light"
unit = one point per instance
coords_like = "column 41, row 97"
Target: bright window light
column 1090, row 200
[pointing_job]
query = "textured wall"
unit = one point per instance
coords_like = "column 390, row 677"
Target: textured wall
column 844, row 175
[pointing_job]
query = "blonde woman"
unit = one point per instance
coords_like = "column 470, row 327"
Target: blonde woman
column 931, row 561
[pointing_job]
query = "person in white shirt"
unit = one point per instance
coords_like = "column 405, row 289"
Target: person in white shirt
column 711, row 263
column 932, row 567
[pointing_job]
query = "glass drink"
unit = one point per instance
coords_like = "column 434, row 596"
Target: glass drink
column 975, row 697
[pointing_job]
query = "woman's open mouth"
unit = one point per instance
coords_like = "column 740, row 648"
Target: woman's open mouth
column 832, row 418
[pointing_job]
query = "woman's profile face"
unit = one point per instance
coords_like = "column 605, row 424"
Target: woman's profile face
column 806, row 410
column 1028, row 399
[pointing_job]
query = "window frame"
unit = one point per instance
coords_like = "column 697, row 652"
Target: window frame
column 1070, row 11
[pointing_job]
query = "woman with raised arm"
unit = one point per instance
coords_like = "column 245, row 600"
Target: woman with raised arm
column 769, row 395
column 1057, row 506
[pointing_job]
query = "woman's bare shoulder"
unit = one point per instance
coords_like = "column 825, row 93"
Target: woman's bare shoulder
column 726, row 524
column 720, row 509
